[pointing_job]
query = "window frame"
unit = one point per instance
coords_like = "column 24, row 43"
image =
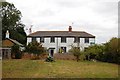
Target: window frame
column 42, row 39
column 87, row 40
column 63, row 39
column 34, row 39
column 52, row 39
column 76, row 39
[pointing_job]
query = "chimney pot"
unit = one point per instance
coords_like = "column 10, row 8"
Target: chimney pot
column 70, row 28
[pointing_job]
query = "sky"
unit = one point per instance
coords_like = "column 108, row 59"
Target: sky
column 97, row 17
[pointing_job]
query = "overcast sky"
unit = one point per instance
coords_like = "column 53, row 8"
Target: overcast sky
column 98, row 17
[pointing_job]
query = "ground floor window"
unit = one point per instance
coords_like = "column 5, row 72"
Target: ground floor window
column 6, row 53
column 62, row 50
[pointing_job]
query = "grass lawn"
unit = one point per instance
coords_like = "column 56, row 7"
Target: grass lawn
column 59, row 69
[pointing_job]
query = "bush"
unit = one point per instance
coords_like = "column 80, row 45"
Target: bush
column 112, row 53
column 75, row 51
column 16, row 53
column 49, row 59
column 82, row 56
column 35, row 48
column 94, row 52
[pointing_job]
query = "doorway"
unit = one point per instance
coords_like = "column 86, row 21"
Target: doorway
column 51, row 52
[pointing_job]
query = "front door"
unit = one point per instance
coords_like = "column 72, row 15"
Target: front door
column 51, row 52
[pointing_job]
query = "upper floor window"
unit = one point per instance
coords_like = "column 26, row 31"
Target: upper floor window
column 63, row 39
column 33, row 39
column 76, row 39
column 86, row 40
column 41, row 39
column 52, row 40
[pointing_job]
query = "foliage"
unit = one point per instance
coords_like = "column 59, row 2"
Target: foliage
column 16, row 53
column 94, row 51
column 19, row 35
column 112, row 53
column 75, row 51
column 35, row 48
column 108, row 52
column 61, row 50
column 83, row 56
column 49, row 59
column 11, row 20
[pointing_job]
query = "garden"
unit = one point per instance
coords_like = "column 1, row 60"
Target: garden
column 21, row 68
column 92, row 63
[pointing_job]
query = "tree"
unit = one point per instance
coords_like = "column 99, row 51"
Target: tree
column 19, row 35
column 16, row 53
column 35, row 48
column 76, row 52
column 108, row 52
column 11, row 20
column 112, row 53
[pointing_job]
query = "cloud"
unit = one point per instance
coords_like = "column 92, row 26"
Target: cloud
column 98, row 17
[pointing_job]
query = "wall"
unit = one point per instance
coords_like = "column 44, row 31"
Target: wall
column 58, row 44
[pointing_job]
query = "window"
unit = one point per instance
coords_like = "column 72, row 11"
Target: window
column 33, row 39
column 76, row 39
column 63, row 49
column 86, row 40
column 63, row 39
column 52, row 40
column 42, row 39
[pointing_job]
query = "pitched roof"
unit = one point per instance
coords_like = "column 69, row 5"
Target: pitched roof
column 16, row 42
column 61, row 33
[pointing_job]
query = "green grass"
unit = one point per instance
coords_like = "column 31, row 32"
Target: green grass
column 58, row 69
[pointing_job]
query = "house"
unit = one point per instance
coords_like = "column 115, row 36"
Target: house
column 61, row 41
column 6, row 46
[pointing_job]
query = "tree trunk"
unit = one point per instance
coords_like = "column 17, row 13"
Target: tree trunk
column 77, row 57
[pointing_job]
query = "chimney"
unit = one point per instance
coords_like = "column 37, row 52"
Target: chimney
column 7, row 34
column 70, row 28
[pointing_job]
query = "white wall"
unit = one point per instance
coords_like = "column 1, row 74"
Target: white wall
column 38, row 39
column 58, row 44
column 29, row 39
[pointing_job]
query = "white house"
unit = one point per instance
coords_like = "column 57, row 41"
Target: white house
column 55, row 41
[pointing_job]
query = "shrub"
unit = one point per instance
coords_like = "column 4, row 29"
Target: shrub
column 35, row 48
column 76, row 52
column 112, row 51
column 94, row 51
column 16, row 53
column 49, row 59
column 83, row 56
